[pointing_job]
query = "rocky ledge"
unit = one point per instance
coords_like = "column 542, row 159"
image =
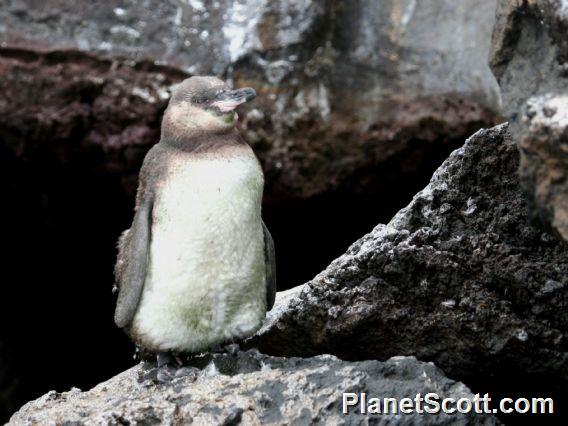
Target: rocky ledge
column 459, row 277
column 253, row 389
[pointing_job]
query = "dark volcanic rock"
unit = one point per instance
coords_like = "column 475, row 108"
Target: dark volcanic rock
column 249, row 388
column 342, row 87
column 530, row 61
column 458, row 277
column 75, row 108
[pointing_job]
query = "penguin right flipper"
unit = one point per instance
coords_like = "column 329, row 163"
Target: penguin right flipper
column 134, row 246
column 270, row 265
column 134, row 243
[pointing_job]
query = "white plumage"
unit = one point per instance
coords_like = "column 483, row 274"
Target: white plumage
column 206, row 272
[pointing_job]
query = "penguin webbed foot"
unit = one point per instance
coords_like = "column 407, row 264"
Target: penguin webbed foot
column 166, row 358
column 166, row 373
column 232, row 348
column 169, row 366
column 166, row 368
column 226, row 348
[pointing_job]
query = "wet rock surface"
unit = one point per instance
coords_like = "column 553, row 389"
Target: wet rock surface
column 529, row 59
column 459, row 277
column 250, row 388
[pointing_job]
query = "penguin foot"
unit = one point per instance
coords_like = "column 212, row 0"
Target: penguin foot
column 185, row 371
column 169, row 367
column 166, row 368
column 230, row 348
column 165, row 374
column 168, row 373
column 165, row 358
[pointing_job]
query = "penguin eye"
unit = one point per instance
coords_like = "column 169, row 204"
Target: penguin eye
column 198, row 100
column 216, row 93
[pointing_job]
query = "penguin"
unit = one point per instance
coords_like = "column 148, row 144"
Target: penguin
column 196, row 269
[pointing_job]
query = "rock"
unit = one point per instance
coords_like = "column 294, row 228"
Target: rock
column 529, row 59
column 250, row 388
column 341, row 88
column 458, row 277
column 74, row 108
column 544, row 158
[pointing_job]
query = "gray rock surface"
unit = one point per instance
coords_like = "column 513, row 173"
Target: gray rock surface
column 342, row 87
column 253, row 389
column 459, row 277
column 529, row 59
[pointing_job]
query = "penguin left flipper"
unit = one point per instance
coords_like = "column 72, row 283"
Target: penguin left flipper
column 270, row 265
column 134, row 246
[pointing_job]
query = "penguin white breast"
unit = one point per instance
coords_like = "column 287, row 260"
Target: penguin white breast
column 206, row 277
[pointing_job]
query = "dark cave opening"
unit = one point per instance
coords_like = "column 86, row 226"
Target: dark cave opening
column 309, row 234
column 60, row 224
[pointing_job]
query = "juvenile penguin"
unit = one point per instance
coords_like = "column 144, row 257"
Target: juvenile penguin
column 196, row 268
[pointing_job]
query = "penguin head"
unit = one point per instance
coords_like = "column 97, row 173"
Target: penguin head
column 204, row 105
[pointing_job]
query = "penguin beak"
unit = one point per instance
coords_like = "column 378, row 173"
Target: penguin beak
column 230, row 99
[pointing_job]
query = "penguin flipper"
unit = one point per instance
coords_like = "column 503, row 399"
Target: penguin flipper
column 270, row 265
column 130, row 270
